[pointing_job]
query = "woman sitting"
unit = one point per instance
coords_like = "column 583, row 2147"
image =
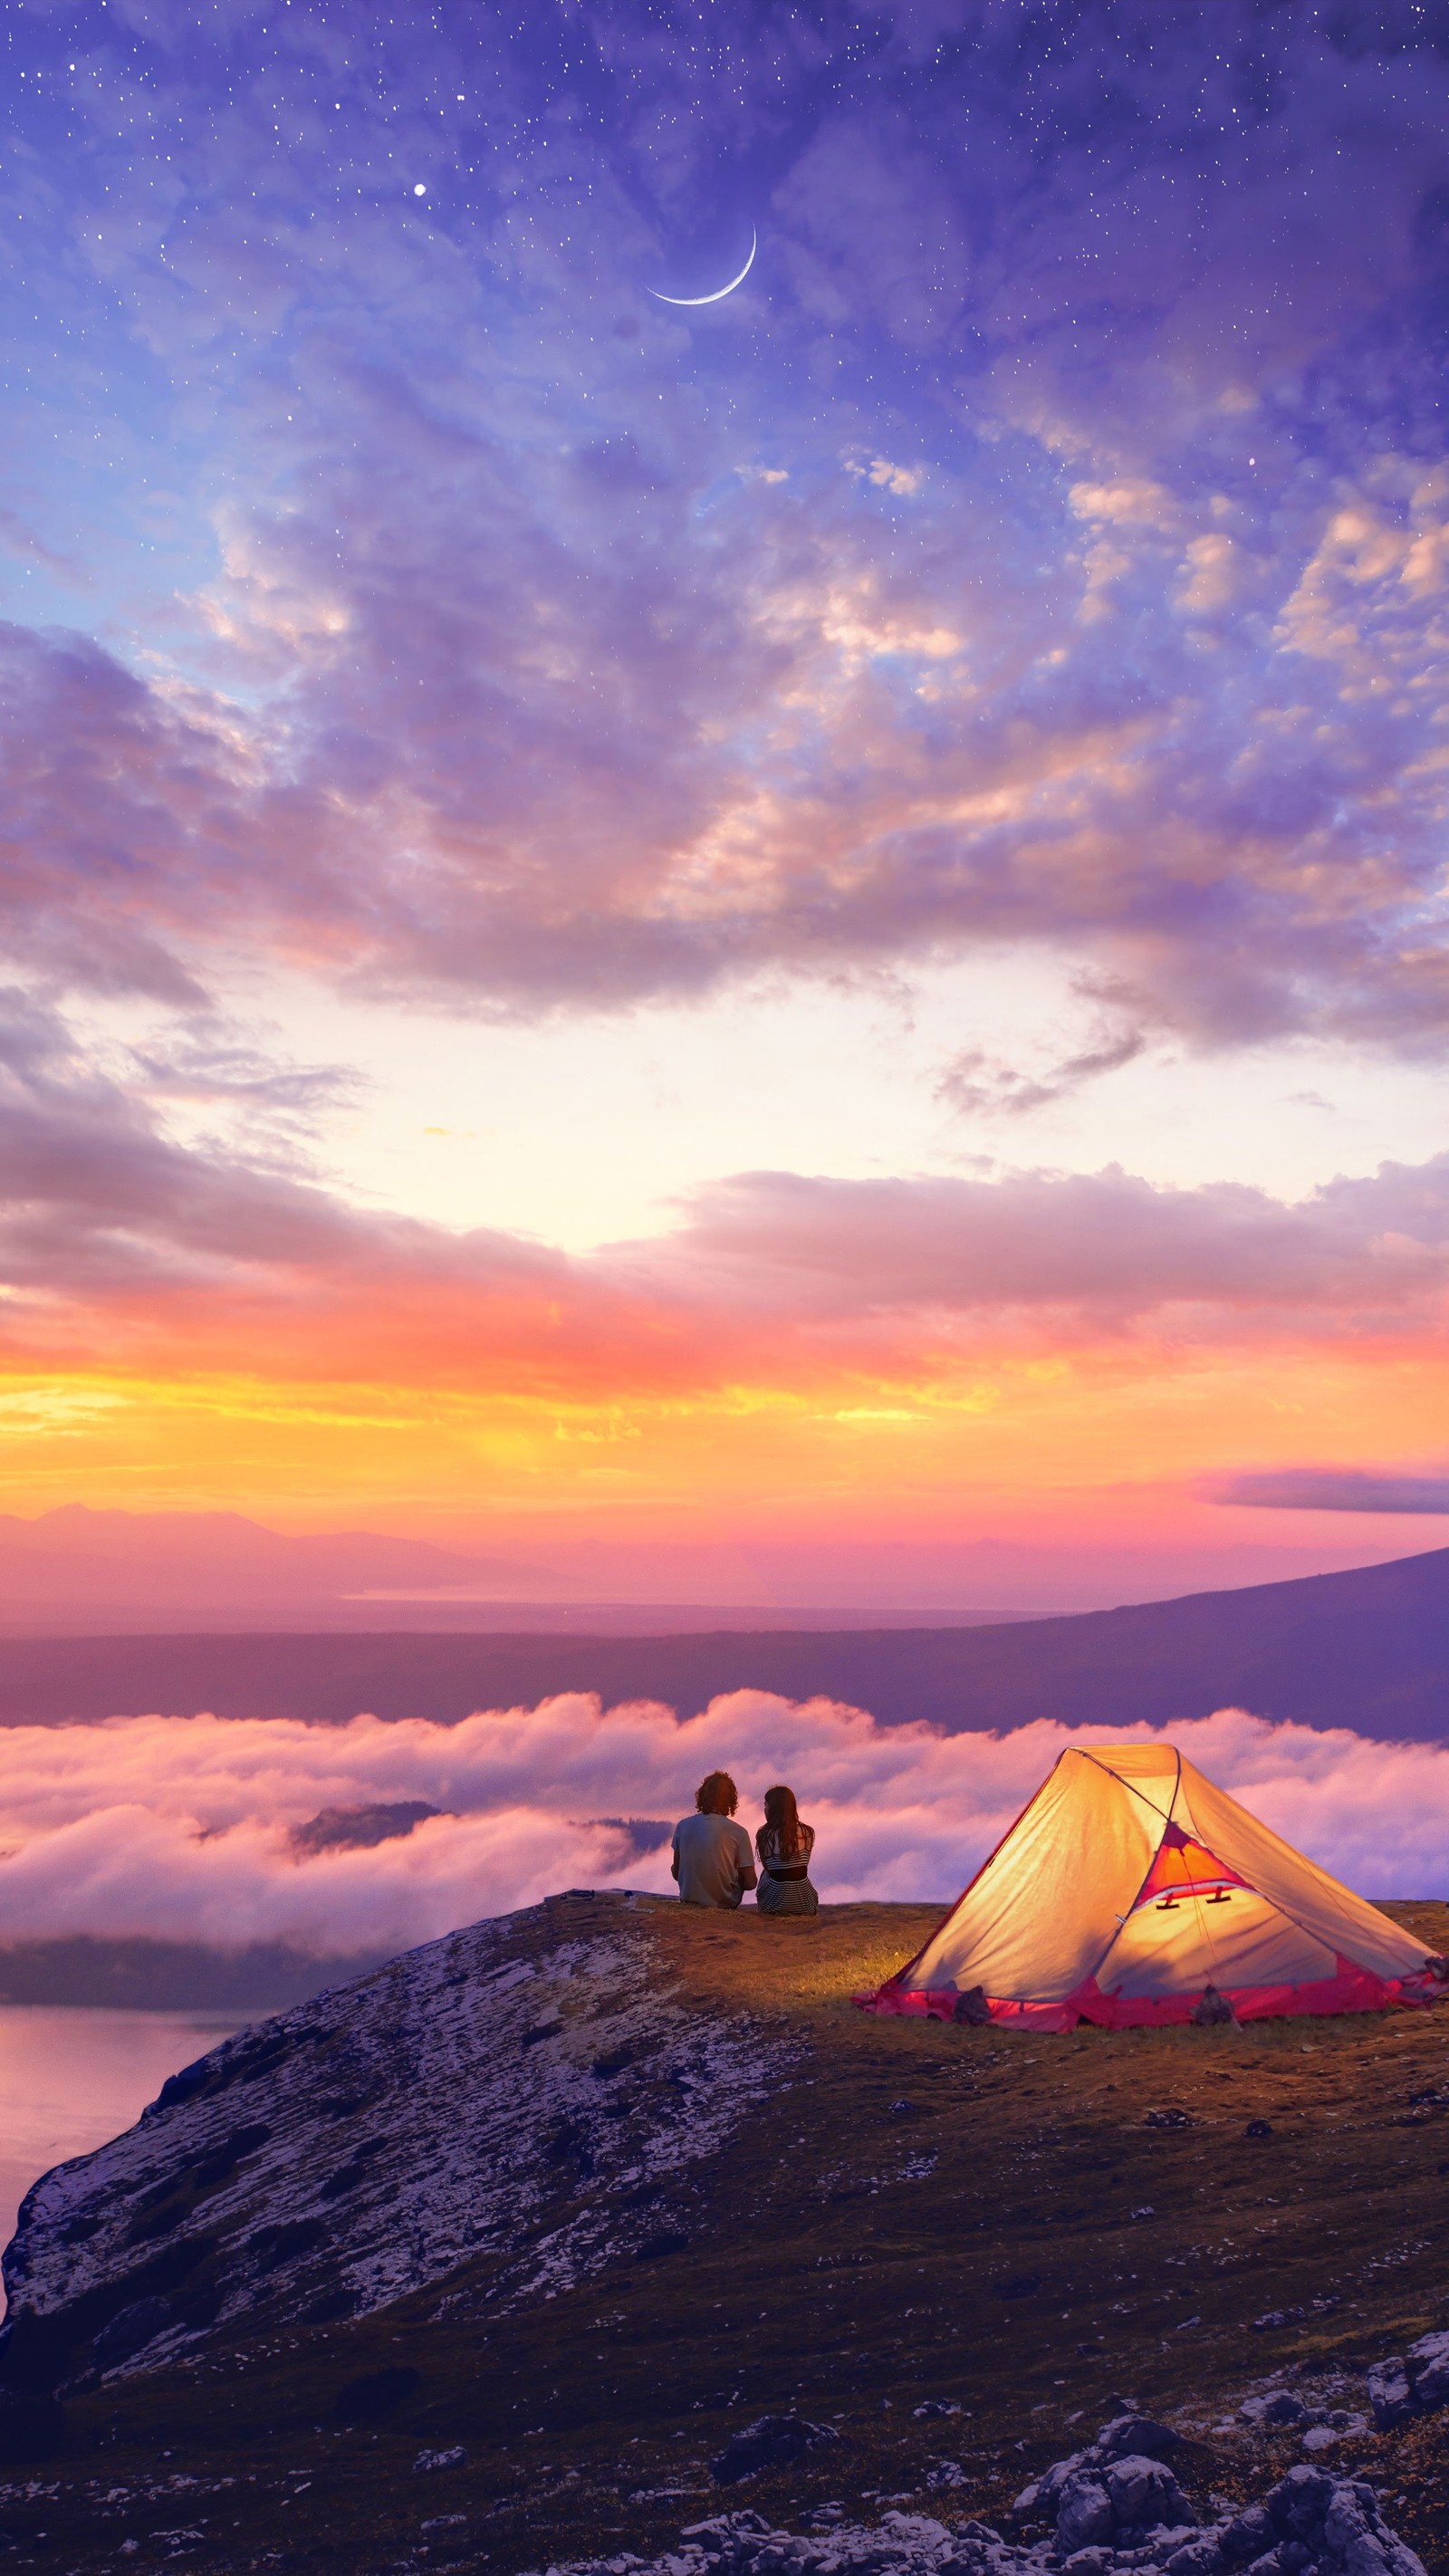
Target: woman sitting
column 784, row 1845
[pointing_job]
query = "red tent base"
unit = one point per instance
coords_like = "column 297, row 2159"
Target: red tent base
column 1350, row 1989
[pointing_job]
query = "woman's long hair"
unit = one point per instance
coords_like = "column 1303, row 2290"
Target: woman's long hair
column 782, row 1812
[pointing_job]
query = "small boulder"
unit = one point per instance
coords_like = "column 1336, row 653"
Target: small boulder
column 1246, row 2537
column 1356, row 2541
column 1046, row 2489
column 1428, row 2370
column 453, row 2458
column 1389, row 2394
column 1299, row 2502
column 1200, row 2556
column 1145, row 2495
column 1140, row 2434
column 771, row 2442
column 1282, row 2408
column 1084, row 2514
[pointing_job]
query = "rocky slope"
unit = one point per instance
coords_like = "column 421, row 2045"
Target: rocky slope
column 367, row 2144
column 493, row 2253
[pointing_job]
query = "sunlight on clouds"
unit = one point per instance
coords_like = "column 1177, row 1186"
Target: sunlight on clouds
column 178, row 1828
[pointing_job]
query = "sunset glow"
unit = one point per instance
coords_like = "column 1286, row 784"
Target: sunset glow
column 696, row 935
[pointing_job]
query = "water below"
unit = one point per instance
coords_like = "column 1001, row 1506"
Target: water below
column 73, row 2075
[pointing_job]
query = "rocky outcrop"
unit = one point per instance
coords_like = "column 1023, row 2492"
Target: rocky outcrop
column 1118, row 2504
column 504, row 2097
column 1309, row 2524
column 1416, row 2385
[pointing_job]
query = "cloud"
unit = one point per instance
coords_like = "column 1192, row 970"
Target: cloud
column 115, row 1234
column 1332, row 1489
column 975, row 1082
column 501, row 665
column 203, row 1829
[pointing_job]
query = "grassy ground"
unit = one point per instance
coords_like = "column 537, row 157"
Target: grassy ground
column 923, row 2212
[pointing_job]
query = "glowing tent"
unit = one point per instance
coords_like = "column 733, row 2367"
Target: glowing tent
column 1131, row 1892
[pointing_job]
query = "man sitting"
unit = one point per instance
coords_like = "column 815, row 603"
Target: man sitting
column 713, row 1861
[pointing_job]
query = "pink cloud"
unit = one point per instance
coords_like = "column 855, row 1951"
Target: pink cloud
column 109, row 1227
column 179, row 1828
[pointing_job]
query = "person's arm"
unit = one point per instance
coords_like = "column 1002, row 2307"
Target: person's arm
column 747, row 1863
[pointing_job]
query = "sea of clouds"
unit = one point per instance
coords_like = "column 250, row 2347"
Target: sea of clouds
column 181, row 1828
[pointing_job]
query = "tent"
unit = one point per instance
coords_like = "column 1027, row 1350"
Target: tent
column 1131, row 1892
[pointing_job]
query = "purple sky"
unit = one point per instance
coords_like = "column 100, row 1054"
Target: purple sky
column 499, row 765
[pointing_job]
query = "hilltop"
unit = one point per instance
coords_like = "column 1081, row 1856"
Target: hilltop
column 566, row 2199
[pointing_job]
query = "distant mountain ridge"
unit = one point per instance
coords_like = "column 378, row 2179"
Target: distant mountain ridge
column 1367, row 1650
column 73, row 1562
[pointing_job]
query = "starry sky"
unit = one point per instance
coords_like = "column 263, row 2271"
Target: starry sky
column 791, row 948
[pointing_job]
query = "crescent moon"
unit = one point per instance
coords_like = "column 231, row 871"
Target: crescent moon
column 720, row 291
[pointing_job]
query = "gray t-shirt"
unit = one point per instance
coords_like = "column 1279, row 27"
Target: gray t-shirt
column 714, row 1858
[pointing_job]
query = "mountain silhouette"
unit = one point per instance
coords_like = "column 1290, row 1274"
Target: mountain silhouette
column 1368, row 1650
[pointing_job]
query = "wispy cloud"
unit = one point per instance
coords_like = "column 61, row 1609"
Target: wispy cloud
column 1332, row 1489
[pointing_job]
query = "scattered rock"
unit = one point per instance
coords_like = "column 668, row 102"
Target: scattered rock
column 932, row 2407
column 1173, row 2118
column 771, row 2442
column 1128, row 2436
column 1309, row 2520
column 1281, row 2407
column 1258, row 2129
column 456, row 2458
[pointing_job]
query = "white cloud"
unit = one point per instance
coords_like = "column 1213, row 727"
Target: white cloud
column 176, row 1828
